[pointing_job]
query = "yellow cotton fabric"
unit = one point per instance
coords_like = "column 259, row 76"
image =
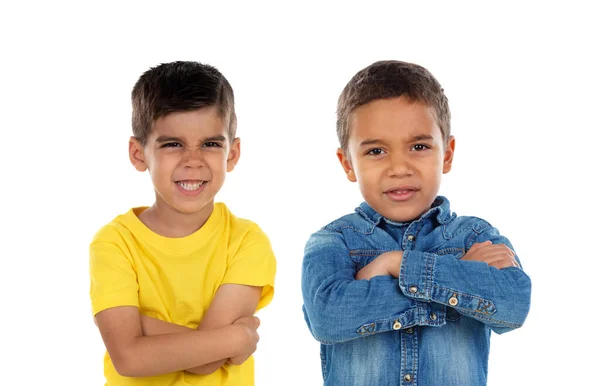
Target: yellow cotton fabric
column 175, row 279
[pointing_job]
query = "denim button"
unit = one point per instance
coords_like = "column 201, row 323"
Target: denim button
column 407, row 378
column 453, row 301
column 410, row 237
column 413, row 289
column 397, row 325
column 433, row 316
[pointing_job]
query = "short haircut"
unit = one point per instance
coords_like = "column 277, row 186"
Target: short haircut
column 180, row 86
column 391, row 79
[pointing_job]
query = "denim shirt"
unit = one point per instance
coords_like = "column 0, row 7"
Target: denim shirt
column 430, row 326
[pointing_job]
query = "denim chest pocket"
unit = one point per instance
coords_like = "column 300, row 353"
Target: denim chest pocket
column 458, row 252
column 362, row 257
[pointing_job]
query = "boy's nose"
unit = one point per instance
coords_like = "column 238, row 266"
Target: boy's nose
column 193, row 157
column 399, row 166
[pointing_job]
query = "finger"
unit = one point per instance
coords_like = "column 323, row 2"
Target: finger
column 483, row 250
column 515, row 263
column 500, row 261
column 500, row 264
column 502, row 247
column 496, row 249
column 479, row 245
column 474, row 253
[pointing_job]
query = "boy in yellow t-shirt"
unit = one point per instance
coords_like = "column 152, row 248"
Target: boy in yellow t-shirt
column 174, row 286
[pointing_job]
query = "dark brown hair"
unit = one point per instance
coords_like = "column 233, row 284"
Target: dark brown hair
column 391, row 79
column 180, row 86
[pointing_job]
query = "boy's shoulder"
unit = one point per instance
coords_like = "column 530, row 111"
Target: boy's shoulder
column 237, row 225
column 354, row 221
column 461, row 223
column 117, row 228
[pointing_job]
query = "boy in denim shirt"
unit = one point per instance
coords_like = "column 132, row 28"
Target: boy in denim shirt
column 404, row 292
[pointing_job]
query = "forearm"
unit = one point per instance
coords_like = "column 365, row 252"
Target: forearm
column 498, row 298
column 343, row 310
column 339, row 308
column 152, row 326
column 165, row 353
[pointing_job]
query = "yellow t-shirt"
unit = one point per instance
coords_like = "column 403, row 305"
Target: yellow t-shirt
column 175, row 279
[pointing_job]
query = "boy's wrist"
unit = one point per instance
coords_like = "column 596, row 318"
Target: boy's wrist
column 393, row 262
column 240, row 338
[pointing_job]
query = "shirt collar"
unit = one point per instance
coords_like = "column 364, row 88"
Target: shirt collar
column 440, row 209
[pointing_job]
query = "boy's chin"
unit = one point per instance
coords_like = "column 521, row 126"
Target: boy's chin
column 195, row 208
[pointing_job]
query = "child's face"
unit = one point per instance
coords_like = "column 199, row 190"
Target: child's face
column 396, row 153
column 188, row 155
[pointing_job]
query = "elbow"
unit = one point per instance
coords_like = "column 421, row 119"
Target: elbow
column 322, row 326
column 207, row 369
column 522, row 299
column 124, row 368
column 517, row 306
column 127, row 364
column 325, row 336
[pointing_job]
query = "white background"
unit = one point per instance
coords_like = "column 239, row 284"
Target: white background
column 523, row 86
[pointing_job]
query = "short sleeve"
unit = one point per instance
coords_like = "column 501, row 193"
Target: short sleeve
column 253, row 264
column 113, row 281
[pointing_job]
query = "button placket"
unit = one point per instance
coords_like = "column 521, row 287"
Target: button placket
column 409, row 343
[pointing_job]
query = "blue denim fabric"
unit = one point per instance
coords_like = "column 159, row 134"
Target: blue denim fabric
column 388, row 331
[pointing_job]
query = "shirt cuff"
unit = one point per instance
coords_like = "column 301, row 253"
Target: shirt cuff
column 416, row 275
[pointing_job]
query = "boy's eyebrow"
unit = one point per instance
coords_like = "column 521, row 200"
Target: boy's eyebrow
column 375, row 141
column 368, row 142
column 422, row 137
column 216, row 138
column 166, row 138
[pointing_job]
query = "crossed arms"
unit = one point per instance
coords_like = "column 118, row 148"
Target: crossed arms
column 487, row 284
column 140, row 346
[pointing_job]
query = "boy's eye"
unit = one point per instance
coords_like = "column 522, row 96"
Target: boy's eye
column 171, row 144
column 420, row 147
column 212, row 144
column 376, row 151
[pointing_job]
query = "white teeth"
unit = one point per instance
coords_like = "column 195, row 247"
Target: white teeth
column 187, row 186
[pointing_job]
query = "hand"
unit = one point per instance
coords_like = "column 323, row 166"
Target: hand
column 387, row 263
column 495, row 255
column 248, row 326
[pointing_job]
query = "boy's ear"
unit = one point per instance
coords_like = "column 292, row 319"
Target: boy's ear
column 449, row 154
column 136, row 155
column 234, row 154
column 347, row 165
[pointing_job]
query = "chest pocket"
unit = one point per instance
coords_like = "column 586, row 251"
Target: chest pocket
column 458, row 252
column 362, row 257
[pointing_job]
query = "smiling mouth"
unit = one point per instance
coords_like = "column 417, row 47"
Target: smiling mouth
column 190, row 186
column 401, row 190
column 400, row 194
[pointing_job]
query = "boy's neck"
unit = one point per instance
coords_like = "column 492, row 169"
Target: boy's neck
column 167, row 222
